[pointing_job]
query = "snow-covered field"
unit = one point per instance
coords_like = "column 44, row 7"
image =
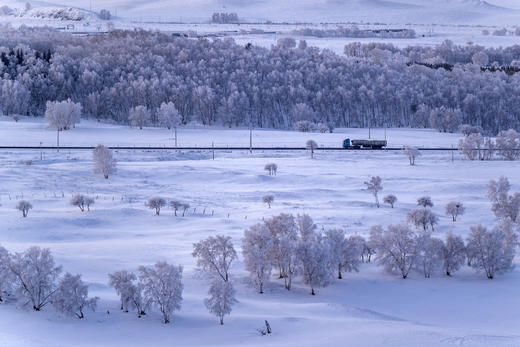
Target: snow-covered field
column 389, row 11
column 369, row 308
column 88, row 133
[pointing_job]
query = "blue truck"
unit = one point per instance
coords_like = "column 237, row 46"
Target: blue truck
column 364, row 144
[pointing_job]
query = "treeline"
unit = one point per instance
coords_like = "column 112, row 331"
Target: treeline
column 354, row 31
column 219, row 82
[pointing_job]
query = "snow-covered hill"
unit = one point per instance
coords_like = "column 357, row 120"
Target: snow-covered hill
column 387, row 11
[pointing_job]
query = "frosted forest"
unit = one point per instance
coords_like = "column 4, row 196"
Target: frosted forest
column 219, row 82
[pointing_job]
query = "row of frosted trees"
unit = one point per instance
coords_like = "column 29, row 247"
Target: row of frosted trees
column 220, row 82
column 285, row 247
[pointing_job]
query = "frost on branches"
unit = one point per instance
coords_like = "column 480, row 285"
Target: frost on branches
column 162, row 288
column 104, row 162
column 221, row 299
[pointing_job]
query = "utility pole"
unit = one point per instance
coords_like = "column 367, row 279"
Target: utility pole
column 251, row 140
column 175, row 129
column 58, row 139
column 213, row 149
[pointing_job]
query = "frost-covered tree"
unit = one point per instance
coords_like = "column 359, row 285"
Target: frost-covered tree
column 129, row 291
column 24, row 207
column 71, row 297
column 422, row 217
column 480, row 59
column 162, row 287
column 6, row 275
column 494, row 250
column 14, row 98
column 284, row 233
column 336, row 241
column 508, row 144
column 365, row 248
column 474, row 146
column 176, row 205
column 36, row 277
column 185, row 206
column 305, row 126
column 425, row 201
column 221, row 299
column 455, row 209
column 453, row 254
column 122, row 282
column 390, row 199
column 311, row 145
column 82, row 201
column 306, row 227
column 503, row 205
column 345, row 253
column 215, row 255
column 89, row 202
column 412, row 153
column 445, row 119
column 314, row 256
column 104, row 14
column 139, row 116
column 286, row 43
column 302, row 112
column 169, row 117
column 268, row 199
column 257, row 247
column 156, row 203
column 374, row 186
column 429, row 255
column 396, row 248
column 62, row 115
column 104, row 162
column 468, row 129
column 271, row 168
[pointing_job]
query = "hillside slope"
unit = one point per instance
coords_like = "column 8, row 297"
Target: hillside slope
column 387, row 11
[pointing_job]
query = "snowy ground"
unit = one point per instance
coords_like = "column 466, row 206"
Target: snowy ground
column 365, row 309
column 88, row 133
column 317, row 11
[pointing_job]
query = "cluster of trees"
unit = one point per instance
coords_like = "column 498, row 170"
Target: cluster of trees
column 157, row 203
column 355, row 32
column 445, row 53
column 400, row 250
column 271, row 168
column 82, row 201
column 105, row 15
column 293, row 246
column 220, row 82
column 32, row 279
column 158, row 286
column 224, row 17
column 475, row 146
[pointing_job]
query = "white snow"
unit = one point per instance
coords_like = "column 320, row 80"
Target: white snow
column 365, row 309
column 402, row 11
column 89, row 133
